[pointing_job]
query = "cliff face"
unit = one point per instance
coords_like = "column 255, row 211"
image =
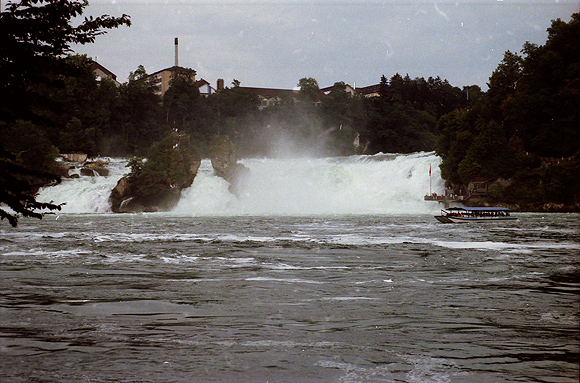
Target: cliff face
column 224, row 162
column 156, row 185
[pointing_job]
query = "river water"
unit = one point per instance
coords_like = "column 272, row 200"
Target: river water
column 293, row 290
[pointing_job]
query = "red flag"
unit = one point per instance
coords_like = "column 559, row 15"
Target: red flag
column 429, row 170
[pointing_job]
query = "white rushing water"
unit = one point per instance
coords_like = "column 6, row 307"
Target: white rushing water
column 379, row 184
column 86, row 194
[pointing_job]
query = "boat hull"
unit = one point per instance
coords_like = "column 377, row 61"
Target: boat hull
column 478, row 219
column 475, row 215
column 443, row 219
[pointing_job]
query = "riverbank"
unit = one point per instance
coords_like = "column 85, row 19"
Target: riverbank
column 539, row 207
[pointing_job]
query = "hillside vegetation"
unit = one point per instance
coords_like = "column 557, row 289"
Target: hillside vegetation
column 526, row 130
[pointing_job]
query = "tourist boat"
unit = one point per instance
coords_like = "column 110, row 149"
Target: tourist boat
column 475, row 214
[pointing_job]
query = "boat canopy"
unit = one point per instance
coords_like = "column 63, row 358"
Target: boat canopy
column 478, row 209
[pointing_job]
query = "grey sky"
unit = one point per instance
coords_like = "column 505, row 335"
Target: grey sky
column 274, row 43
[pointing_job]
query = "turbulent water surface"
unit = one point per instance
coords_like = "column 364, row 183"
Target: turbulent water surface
column 356, row 296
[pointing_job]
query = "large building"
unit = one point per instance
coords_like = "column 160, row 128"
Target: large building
column 164, row 76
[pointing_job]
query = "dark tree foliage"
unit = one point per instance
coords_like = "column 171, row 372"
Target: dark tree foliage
column 309, row 89
column 19, row 187
column 537, row 97
column 165, row 172
column 182, row 100
column 343, row 114
column 527, row 128
column 456, row 134
column 404, row 117
column 85, row 110
column 233, row 112
column 140, row 117
column 234, row 102
column 185, row 108
column 338, row 122
column 35, row 36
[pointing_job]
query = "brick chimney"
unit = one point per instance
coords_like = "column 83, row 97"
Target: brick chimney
column 176, row 53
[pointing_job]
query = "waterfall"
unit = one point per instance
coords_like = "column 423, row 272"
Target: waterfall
column 378, row 184
column 86, row 194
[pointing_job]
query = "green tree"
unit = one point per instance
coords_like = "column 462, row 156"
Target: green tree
column 234, row 112
column 234, row 102
column 31, row 147
column 85, row 113
column 399, row 127
column 336, row 105
column 473, row 95
column 453, row 141
column 182, row 101
column 141, row 114
column 488, row 155
column 384, row 87
column 503, row 84
column 35, row 36
column 309, row 89
column 343, row 115
column 18, row 189
column 526, row 127
column 545, row 109
column 159, row 180
column 404, row 117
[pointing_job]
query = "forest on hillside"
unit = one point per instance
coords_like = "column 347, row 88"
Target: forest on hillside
column 525, row 130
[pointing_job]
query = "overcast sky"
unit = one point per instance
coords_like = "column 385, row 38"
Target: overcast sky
column 274, row 43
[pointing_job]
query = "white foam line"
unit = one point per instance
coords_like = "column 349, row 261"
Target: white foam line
column 283, row 280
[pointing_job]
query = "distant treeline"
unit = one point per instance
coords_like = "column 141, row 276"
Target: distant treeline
column 81, row 113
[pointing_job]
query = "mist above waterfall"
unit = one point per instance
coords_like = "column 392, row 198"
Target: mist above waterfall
column 378, row 184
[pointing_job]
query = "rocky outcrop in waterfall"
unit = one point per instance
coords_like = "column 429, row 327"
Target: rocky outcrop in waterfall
column 77, row 162
column 95, row 168
column 155, row 184
column 223, row 160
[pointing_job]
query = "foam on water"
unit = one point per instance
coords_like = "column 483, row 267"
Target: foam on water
column 352, row 185
column 86, row 194
column 379, row 184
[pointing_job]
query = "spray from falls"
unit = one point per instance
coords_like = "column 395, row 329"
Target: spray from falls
column 379, row 184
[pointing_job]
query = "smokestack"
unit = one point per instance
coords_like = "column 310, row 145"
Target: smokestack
column 176, row 54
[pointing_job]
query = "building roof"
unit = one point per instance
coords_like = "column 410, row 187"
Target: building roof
column 347, row 88
column 201, row 82
column 271, row 92
column 479, row 208
column 173, row 69
column 95, row 65
column 369, row 90
column 205, row 87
